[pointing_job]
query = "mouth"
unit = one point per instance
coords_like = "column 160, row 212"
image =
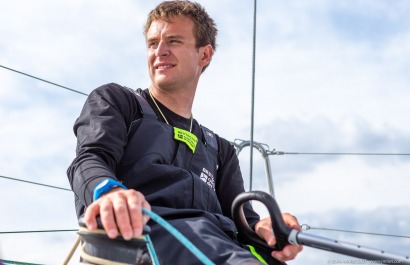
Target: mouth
column 164, row 66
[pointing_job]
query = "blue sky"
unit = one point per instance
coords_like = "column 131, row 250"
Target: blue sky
column 331, row 76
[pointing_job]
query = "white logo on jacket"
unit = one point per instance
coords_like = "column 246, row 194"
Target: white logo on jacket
column 208, row 178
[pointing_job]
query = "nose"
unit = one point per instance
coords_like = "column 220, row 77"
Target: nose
column 162, row 49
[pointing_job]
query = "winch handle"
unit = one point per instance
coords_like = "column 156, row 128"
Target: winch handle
column 280, row 229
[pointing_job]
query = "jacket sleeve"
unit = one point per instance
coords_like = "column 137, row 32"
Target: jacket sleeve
column 101, row 132
column 229, row 183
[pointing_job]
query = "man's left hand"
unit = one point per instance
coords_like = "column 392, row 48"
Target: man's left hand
column 264, row 229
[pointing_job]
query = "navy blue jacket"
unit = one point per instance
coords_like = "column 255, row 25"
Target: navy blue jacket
column 119, row 138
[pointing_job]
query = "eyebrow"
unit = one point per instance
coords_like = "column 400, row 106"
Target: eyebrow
column 167, row 37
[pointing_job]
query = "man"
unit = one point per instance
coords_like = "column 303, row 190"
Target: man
column 143, row 149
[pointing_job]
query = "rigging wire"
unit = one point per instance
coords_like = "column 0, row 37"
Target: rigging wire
column 274, row 152
column 43, row 80
column 35, row 183
column 306, row 227
column 38, row 231
column 5, row 261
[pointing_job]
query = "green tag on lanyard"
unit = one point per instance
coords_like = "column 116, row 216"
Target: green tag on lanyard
column 186, row 137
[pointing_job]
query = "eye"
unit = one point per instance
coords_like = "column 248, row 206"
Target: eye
column 152, row 44
column 174, row 41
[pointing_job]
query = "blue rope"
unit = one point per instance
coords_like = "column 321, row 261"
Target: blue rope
column 181, row 238
column 151, row 250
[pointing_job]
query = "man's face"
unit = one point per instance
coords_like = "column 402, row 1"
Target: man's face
column 174, row 62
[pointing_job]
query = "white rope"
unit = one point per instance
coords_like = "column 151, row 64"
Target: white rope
column 70, row 255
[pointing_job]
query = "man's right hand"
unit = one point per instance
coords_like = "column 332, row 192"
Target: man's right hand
column 119, row 209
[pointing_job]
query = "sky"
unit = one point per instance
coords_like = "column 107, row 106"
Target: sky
column 331, row 76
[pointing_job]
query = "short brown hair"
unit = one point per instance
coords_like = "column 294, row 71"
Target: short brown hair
column 204, row 26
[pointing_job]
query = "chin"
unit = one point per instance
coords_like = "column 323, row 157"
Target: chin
column 163, row 83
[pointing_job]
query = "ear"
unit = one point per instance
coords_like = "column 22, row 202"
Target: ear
column 206, row 54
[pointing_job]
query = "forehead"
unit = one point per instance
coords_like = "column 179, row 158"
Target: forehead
column 179, row 25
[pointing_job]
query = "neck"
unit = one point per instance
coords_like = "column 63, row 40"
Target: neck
column 179, row 102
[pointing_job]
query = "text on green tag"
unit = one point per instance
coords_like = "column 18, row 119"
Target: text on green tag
column 188, row 138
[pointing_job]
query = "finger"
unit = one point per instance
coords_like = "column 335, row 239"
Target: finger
column 90, row 215
column 135, row 203
column 291, row 221
column 122, row 215
column 108, row 218
column 264, row 229
column 268, row 236
column 278, row 255
column 288, row 253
